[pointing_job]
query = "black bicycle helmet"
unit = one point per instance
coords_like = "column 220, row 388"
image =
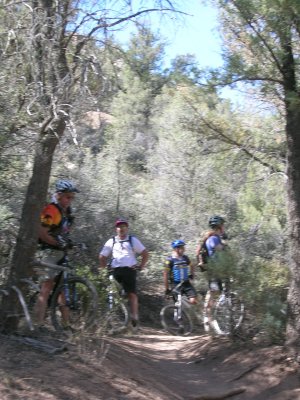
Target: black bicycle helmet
column 215, row 221
column 65, row 186
column 177, row 243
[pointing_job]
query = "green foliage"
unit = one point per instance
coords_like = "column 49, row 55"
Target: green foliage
column 5, row 216
column 223, row 265
column 168, row 156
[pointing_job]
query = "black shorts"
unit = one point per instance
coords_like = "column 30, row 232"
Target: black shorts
column 126, row 276
column 187, row 289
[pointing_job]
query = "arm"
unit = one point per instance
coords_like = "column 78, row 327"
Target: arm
column 105, row 253
column 192, row 269
column 145, row 257
column 198, row 250
column 102, row 261
column 46, row 237
column 219, row 247
column 166, row 279
column 139, row 249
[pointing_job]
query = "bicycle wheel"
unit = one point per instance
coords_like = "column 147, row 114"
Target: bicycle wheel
column 228, row 314
column 175, row 326
column 116, row 318
column 77, row 302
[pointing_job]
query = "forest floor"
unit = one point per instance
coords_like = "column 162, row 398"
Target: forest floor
column 147, row 365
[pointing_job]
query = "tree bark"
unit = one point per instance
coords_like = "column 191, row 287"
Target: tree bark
column 28, row 232
column 293, row 172
column 292, row 104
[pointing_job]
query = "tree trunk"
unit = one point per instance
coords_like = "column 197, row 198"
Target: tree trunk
column 29, row 224
column 293, row 172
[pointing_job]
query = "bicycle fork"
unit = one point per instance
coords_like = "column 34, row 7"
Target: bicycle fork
column 178, row 308
column 110, row 293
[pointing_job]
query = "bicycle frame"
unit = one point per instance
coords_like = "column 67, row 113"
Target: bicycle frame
column 83, row 300
column 116, row 316
column 228, row 310
column 63, row 278
column 181, row 301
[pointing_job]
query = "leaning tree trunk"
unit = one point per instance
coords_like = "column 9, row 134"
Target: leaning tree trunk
column 28, row 231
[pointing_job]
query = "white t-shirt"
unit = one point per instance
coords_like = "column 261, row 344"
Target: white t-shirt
column 123, row 254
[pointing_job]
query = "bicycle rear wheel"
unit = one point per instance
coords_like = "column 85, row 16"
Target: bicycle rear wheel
column 74, row 305
column 116, row 318
column 171, row 323
column 228, row 314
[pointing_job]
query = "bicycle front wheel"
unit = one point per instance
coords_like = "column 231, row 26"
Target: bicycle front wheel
column 116, row 318
column 176, row 326
column 74, row 305
column 228, row 314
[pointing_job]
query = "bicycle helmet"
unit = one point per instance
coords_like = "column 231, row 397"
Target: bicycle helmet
column 120, row 221
column 215, row 221
column 177, row 243
column 65, row 186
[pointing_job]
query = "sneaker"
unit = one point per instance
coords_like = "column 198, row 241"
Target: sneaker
column 134, row 325
column 206, row 324
column 216, row 328
column 40, row 330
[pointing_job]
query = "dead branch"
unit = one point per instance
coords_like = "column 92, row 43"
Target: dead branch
column 220, row 396
column 39, row 345
column 243, row 373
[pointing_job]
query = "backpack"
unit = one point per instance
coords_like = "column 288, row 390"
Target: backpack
column 127, row 240
column 203, row 254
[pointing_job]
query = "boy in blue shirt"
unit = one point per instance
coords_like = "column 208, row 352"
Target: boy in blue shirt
column 179, row 269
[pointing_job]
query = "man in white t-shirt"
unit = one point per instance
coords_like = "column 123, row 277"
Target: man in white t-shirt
column 123, row 249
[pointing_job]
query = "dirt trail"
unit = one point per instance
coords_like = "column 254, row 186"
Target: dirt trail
column 147, row 366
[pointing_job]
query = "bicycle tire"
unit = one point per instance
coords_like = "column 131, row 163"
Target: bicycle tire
column 184, row 327
column 116, row 319
column 228, row 314
column 83, row 305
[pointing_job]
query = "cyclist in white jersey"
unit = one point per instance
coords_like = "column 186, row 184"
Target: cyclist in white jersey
column 123, row 249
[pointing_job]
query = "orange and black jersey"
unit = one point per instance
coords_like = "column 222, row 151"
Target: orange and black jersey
column 58, row 221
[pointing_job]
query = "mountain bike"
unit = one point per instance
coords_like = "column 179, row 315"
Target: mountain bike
column 175, row 318
column 75, row 292
column 114, row 311
column 178, row 318
column 229, row 311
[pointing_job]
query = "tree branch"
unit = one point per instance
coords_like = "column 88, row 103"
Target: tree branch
column 263, row 40
column 225, row 138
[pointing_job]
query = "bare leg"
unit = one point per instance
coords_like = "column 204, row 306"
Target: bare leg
column 193, row 300
column 210, row 300
column 42, row 301
column 64, row 309
column 134, row 307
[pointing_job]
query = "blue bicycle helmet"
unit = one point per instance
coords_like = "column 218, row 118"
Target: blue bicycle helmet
column 65, row 186
column 177, row 243
column 215, row 221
